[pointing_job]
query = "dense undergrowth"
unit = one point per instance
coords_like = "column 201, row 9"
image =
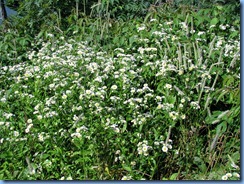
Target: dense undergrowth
column 155, row 98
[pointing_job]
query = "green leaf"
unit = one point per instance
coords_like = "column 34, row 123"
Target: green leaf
column 131, row 40
column 127, row 168
column 220, row 7
column 221, row 95
column 116, row 40
column 234, row 34
column 2, row 177
column 221, row 128
column 214, row 21
column 122, row 41
column 173, row 176
column 171, row 99
column 228, row 80
column 124, row 127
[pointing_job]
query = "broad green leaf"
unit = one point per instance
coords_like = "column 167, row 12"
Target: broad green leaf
column 214, row 21
column 221, row 128
column 173, row 176
column 228, row 80
column 127, row 168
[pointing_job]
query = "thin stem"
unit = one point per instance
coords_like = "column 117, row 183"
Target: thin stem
column 169, row 132
column 179, row 56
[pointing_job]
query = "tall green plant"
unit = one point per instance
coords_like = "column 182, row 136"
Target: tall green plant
column 118, row 9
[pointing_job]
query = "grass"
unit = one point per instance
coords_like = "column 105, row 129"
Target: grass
column 160, row 101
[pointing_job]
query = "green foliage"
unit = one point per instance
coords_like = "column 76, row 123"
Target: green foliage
column 155, row 98
column 13, row 47
column 36, row 14
column 207, row 3
column 118, row 9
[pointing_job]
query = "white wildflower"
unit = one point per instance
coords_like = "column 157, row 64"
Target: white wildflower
column 114, row 87
column 16, row 133
column 39, row 117
column 69, row 178
column 168, row 86
column 222, row 27
column 126, row 178
column 225, row 177
column 183, row 116
column 165, row 148
column 228, row 175
column 236, row 175
column 40, row 137
column 143, row 27
column 64, row 96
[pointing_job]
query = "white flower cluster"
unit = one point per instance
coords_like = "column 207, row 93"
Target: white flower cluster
column 229, row 175
column 29, row 121
column 143, row 148
column 79, row 131
column 143, row 27
column 148, row 49
column 126, row 177
column 167, row 146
